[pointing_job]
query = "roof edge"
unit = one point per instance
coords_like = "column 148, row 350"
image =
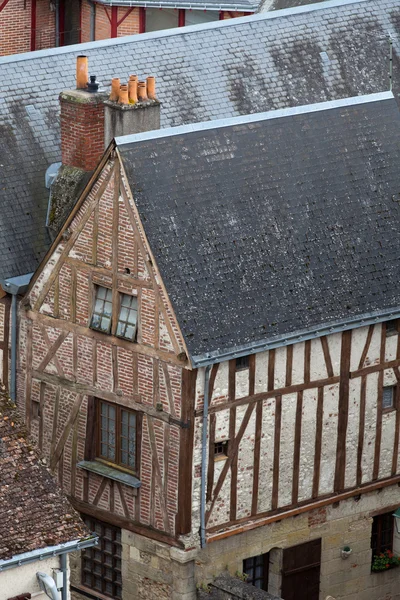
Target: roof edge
column 253, row 118
column 79, row 48
column 235, row 6
column 41, row 553
column 209, row 358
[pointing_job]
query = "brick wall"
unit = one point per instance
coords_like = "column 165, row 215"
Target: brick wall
column 16, row 27
column 128, row 25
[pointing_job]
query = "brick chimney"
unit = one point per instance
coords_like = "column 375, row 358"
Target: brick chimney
column 90, row 120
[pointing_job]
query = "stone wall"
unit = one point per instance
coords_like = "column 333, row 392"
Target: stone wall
column 347, row 523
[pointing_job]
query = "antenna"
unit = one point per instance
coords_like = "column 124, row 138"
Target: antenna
column 390, row 62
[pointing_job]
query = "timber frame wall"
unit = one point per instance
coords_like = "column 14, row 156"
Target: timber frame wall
column 64, row 363
column 305, row 427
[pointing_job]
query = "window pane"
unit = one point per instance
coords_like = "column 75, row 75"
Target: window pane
column 132, row 317
column 105, row 324
column 107, row 309
column 157, row 19
column 129, row 332
column 387, row 397
column 109, row 295
column 194, row 17
column 101, row 292
column 124, row 314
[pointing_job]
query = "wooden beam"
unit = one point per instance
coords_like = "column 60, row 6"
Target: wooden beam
column 343, row 411
column 297, row 447
column 183, row 522
column 104, row 338
column 211, row 460
column 220, row 532
column 256, row 463
column 379, row 408
column 327, row 356
column 361, row 428
column 318, row 442
column 67, row 430
column 277, row 443
column 124, row 523
column 293, row 389
column 271, row 370
column 289, row 365
column 366, row 346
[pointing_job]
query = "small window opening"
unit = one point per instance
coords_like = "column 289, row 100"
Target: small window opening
column 391, row 327
column 389, row 397
column 35, row 409
column 242, row 363
column 221, row 449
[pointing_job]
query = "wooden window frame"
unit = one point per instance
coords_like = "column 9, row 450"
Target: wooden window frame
column 96, row 287
column 221, row 455
column 380, row 547
column 117, row 464
column 395, row 399
column 89, row 556
column 119, row 320
column 115, row 313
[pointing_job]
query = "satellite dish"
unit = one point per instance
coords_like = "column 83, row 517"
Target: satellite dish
column 47, row 585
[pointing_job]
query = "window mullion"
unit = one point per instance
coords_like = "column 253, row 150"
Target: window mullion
column 118, row 436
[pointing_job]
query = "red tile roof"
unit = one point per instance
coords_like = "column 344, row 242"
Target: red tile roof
column 34, row 513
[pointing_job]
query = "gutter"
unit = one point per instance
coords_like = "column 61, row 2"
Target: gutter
column 48, row 552
column 204, row 459
column 238, row 7
column 15, row 286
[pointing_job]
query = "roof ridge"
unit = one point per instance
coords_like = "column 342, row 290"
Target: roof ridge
column 253, row 118
column 79, row 48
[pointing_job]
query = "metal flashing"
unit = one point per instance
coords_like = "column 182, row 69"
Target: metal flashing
column 253, row 118
column 173, row 4
column 203, row 360
column 43, row 553
column 80, row 48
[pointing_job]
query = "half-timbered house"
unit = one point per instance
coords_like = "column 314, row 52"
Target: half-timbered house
column 209, row 354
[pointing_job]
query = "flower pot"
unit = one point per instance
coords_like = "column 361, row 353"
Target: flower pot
column 346, row 553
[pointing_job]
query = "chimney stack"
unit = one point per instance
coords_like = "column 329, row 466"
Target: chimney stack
column 90, row 120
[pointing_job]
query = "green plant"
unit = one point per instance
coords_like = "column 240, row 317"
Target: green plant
column 241, row 576
column 385, row 560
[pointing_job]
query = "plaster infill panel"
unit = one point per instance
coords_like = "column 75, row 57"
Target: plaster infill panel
column 352, row 432
column 317, row 364
column 261, row 377
column 266, row 455
column 245, row 466
column 280, row 368
column 298, row 363
column 220, row 391
column 367, row 462
column 387, row 443
column 242, row 383
column 391, row 343
column 286, row 449
column 329, row 439
column 358, row 340
column 221, row 509
column 307, row 444
column 374, row 350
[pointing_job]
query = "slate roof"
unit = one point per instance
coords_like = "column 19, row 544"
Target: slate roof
column 273, row 225
column 222, row 69
column 33, row 511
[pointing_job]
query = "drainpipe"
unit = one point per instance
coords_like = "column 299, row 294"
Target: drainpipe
column 15, row 286
column 63, row 566
column 204, row 459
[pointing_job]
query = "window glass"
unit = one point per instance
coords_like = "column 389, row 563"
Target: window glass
column 242, row 363
column 164, row 18
column 101, row 565
column 117, row 435
column 388, row 397
column 195, row 17
column 256, row 568
column 127, row 318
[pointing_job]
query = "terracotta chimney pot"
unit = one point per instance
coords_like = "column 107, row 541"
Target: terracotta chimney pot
column 151, row 88
column 115, row 85
column 142, row 91
column 132, row 89
column 123, row 94
column 82, row 72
